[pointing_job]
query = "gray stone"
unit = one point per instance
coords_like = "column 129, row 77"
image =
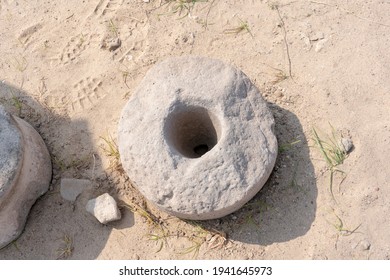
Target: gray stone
column 71, row 188
column 11, row 153
column 104, row 208
column 25, row 174
column 113, row 44
column 197, row 138
column 347, row 144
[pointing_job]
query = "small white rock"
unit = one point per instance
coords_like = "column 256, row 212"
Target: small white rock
column 347, row 144
column 365, row 245
column 104, row 208
column 71, row 188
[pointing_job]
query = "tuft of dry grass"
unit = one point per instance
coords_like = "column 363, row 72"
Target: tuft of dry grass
column 287, row 146
column 110, row 148
column 333, row 153
column 142, row 210
column 340, row 227
column 66, row 248
column 182, row 8
column 242, row 27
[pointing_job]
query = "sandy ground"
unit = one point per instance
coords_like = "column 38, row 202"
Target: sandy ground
column 316, row 63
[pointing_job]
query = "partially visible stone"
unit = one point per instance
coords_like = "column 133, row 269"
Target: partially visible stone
column 206, row 133
column 320, row 45
column 113, row 44
column 306, row 40
column 71, row 188
column 25, row 174
column 11, row 153
column 364, row 245
column 104, row 208
column 110, row 43
column 347, row 144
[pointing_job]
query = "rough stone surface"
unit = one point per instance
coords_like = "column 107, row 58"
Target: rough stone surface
column 71, row 188
column 11, row 153
column 104, row 208
column 347, row 144
column 25, row 174
column 196, row 138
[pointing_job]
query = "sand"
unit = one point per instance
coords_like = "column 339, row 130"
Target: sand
column 318, row 64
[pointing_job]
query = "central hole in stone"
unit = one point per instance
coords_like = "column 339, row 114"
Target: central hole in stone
column 192, row 131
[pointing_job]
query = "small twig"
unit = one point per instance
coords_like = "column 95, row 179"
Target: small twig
column 208, row 13
column 285, row 40
column 243, row 26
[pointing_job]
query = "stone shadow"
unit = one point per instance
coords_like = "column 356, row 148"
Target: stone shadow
column 51, row 217
column 285, row 207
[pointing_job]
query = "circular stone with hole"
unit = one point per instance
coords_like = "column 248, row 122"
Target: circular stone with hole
column 25, row 174
column 196, row 138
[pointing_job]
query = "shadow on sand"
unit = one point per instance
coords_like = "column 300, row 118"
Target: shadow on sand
column 285, row 207
column 52, row 218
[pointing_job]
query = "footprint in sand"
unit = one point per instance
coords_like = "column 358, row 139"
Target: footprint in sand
column 85, row 94
column 73, row 49
column 106, row 7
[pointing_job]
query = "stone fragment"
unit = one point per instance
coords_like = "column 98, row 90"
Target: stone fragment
column 113, row 44
column 25, row 174
column 320, row 45
column 197, row 138
column 347, row 144
column 11, row 153
column 364, row 245
column 110, row 43
column 71, row 188
column 104, row 208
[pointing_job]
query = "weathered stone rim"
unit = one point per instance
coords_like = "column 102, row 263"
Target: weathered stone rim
column 144, row 116
column 33, row 181
column 10, row 126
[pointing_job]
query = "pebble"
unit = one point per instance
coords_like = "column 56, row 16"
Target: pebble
column 364, row 245
column 347, row 144
column 71, row 188
column 104, row 208
column 113, row 44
